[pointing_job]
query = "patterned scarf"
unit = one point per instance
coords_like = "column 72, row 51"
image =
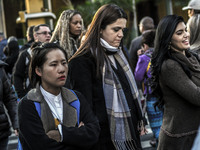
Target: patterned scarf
column 118, row 111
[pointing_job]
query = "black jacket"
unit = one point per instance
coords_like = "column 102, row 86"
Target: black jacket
column 82, row 77
column 20, row 74
column 33, row 128
column 7, row 99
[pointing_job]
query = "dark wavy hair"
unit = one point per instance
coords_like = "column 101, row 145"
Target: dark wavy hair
column 105, row 15
column 164, row 33
column 39, row 53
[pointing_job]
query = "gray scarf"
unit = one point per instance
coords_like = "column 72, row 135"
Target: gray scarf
column 116, row 104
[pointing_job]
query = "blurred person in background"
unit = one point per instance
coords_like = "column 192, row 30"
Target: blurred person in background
column 68, row 30
column 41, row 33
column 8, row 101
column 30, row 38
column 192, row 8
column 11, row 51
column 146, row 23
column 193, row 25
column 143, row 74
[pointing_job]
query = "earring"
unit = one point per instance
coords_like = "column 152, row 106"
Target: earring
column 169, row 45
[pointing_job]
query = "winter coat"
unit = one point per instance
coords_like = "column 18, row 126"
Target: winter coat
column 181, row 96
column 33, row 128
column 7, row 99
column 20, row 73
column 83, row 78
column 13, row 52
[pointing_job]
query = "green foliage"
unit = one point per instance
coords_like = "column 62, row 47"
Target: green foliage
column 90, row 7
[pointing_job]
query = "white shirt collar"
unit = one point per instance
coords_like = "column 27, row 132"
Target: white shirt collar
column 50, row 96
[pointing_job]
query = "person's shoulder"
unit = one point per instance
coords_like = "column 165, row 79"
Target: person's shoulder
column 138, row 38
column 144, row 57
column 23, row 101
column 170, row 65
column 84, row 58
column 71, row 93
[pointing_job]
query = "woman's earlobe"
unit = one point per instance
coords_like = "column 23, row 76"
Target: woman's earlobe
column 38, row 71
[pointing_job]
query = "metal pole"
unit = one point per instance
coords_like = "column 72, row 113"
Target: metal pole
column 50, row 10
column 2, row 19
column 135, row 29
column 169, row 7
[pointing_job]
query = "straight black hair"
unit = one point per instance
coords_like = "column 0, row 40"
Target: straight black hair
column 39, row 53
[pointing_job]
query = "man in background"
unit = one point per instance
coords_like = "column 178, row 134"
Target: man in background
column 41, row 33
column 146, row 23
column 193, row 7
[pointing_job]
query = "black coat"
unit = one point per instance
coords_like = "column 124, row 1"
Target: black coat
column 7, row 99
column 20, row 74
column 33, row 128
column 82, row 77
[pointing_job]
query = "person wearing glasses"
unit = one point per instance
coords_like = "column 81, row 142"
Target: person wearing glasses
column 68, row 30
column 41, row 33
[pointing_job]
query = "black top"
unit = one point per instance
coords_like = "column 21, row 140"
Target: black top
column 32, row 133
column 82, row 77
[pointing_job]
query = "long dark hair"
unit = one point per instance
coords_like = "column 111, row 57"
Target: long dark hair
column 39, row 53
column 105, row 15
column 164, row 33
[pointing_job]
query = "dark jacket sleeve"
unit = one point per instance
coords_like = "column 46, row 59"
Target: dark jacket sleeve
column 19, row 74
column 87, row 135
column 31, row 131
column 9, row 99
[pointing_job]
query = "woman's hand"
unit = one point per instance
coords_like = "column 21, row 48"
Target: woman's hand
column 16, row 132
column 140, row 52
column 81, row 124
column 144, row 131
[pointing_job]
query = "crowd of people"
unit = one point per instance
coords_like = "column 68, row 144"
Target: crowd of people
column 63, row 92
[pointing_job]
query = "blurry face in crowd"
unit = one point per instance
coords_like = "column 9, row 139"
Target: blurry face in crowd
column 76, row 25
column 54, row 71
column 113, row 33
column 190, row 12
column 180, row 38
column 43, row 34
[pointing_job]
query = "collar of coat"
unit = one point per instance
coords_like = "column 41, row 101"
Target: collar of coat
column 69, row 112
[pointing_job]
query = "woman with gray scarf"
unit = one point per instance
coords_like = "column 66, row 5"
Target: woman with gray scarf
column 101, row 72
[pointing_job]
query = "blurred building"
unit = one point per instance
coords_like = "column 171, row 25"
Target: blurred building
column 17, row 15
